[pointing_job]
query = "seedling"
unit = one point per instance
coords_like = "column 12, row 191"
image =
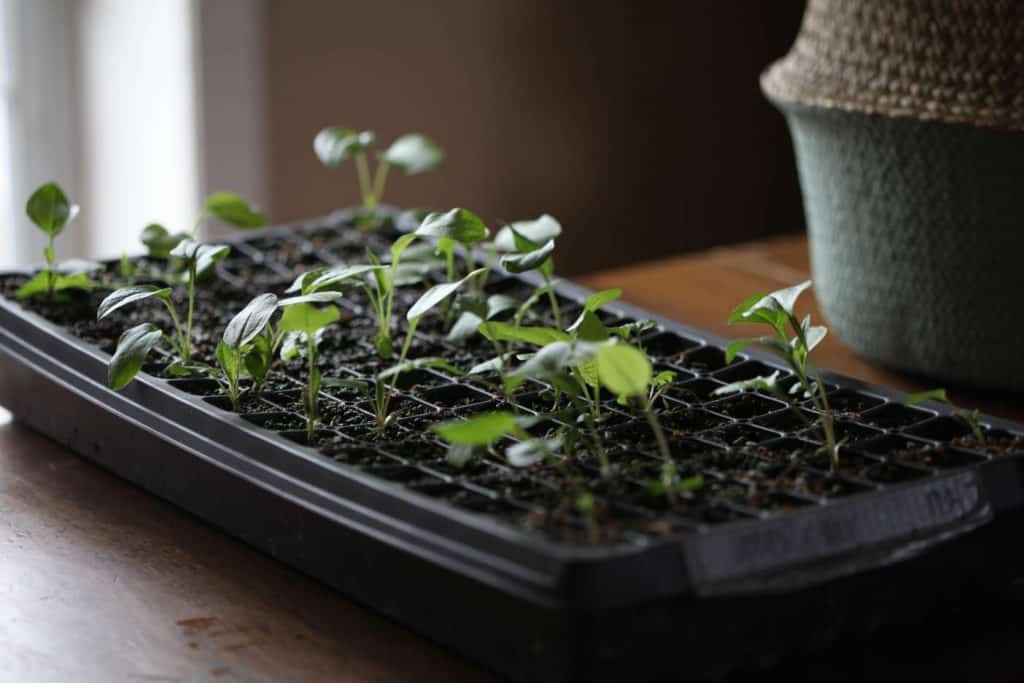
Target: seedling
column 245, row 336
column 777, row 311
column 430, row 299
column 49, row 209
column 412, row 153
column 304, row 318
column 199, row 259
column 626, row 371
column 971, row 418
column 568, row 365
column 528, row 246
column 452, row 229
column 469, row 437
column 378, row 280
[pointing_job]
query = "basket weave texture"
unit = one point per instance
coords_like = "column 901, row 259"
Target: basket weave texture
column 953, row 61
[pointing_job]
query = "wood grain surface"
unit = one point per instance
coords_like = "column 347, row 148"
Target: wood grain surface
column 100, row 581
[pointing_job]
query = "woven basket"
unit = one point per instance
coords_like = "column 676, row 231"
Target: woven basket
column 908, row 124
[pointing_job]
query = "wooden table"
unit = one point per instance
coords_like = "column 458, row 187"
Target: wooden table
column 101, row 582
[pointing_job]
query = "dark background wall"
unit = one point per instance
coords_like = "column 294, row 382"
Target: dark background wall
column 639, row 124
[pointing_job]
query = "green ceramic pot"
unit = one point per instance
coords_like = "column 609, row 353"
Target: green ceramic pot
column 917, row 240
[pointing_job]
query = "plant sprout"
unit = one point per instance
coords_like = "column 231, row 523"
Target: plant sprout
column 49, row 209
column 306, row 320
column 199, row 259
column 626, row 371
column 467, row 437
column 971, row 418
column 382, row 395
column 411, row 153
column 452, row 229
column 378, row 280
column 777, row 311
column 528, row 246
column 243, row 337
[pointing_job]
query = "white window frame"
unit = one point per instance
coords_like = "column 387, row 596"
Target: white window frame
column 83, row 93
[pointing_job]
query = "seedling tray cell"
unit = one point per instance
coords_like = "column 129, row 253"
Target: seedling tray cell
column 775, row 552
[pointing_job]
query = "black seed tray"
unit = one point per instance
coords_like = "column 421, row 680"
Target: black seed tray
column 773, row 555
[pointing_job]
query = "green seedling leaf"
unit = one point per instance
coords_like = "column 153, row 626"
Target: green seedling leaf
column 159, row 241
column 624, row 370
column 633, row 329
column 180, row 368
column 460, row 225
column 234, row 210
column 496, row 364
column 663, row 378
column 599, row 300
column 259, row 357
column 922, row 396
column 314, row 298
column 781, row 301
column 132, row 349
column 786, row 298
column 399, row 246
column 737, row 345
column 335, row 277
column 206, row 256
column 747, row 314
column 130, row 295
column 814, row 334
column 417, row 363
column 438, row 293
column 229, row 359
column 414, row 153
column 767, row 383
column 589, row 327
column 538, row 336
column 500, row 303
column 465, row 326
column 335, row 145
column 536, row 232
column 554, row 359
column 527, row 261
column 532, row 451
column 480, row 430
column 49, row 209
column 39, row 285
column 307, row 318
column 250, row 321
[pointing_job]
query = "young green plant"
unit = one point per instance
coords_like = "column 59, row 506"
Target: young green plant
column 626, row 371
column 198, row 260
column 307, row 317
column 776, row 310
column 468, row 437
column 971, row 418
column 379, row 281
column 412, row 154
column 49, row 209
column 246, row 338
column 529, row 246
column 382, row 394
